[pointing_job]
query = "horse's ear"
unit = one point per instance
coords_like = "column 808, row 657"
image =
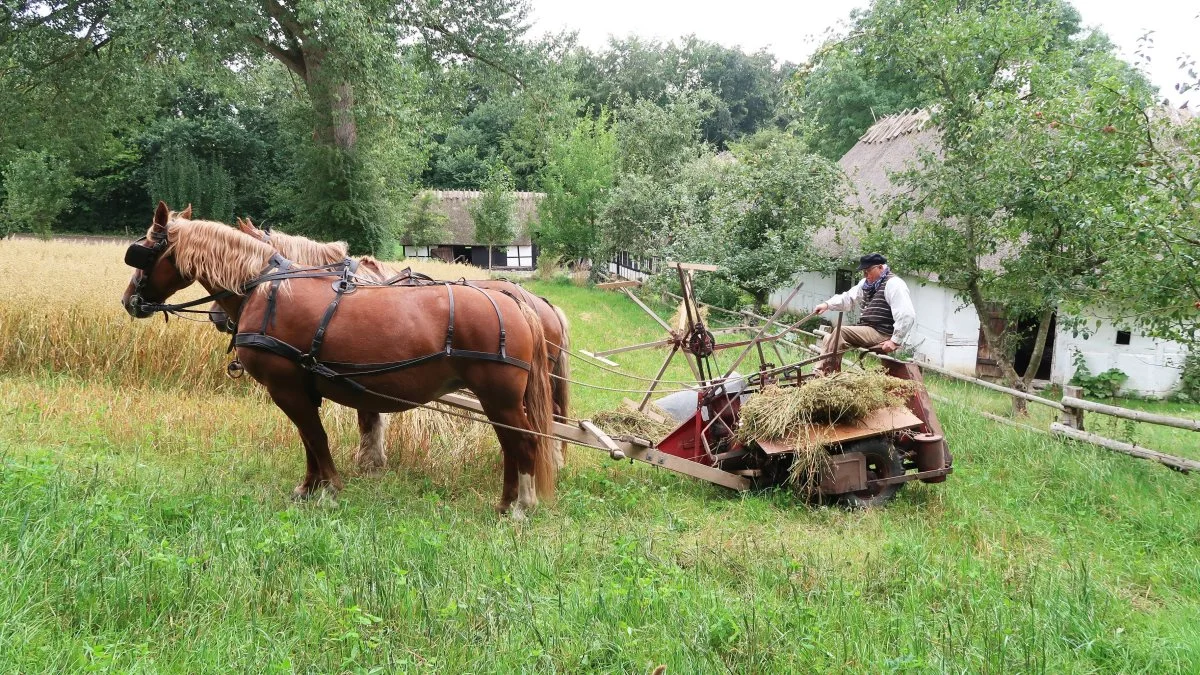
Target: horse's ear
column 161, row 214
column 186, row 214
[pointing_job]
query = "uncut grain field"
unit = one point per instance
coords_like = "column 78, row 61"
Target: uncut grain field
column 146, row 526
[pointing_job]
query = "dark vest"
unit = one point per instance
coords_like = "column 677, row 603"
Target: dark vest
column 876, row 311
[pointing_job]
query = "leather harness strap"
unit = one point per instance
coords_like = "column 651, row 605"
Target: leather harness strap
column 343, row 372
column 499, row 316
column 282, row 265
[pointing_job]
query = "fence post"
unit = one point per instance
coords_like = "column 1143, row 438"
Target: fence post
column 1072, row 417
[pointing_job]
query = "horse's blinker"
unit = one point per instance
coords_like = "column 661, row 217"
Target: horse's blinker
column 142, row 257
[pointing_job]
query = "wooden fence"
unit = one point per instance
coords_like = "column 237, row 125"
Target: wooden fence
column 1070, row 423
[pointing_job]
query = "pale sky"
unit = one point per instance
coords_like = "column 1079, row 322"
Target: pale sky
column 792, row 29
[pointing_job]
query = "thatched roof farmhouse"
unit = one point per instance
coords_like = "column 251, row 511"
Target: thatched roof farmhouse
column 947, row 332
column 461, row 244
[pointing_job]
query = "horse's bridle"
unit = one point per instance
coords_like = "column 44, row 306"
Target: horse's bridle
column 143, row 258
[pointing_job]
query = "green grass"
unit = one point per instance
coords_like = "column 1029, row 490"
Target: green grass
column 148, row 531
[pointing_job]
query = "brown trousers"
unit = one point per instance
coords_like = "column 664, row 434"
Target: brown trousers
column 852, row 336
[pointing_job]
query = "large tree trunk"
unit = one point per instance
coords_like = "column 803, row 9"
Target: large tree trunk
column 760, row 302
column 1020, row 405
column 995, row 343
column 333, row 105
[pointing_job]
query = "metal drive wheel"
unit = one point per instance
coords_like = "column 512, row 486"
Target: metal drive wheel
column 882, row 462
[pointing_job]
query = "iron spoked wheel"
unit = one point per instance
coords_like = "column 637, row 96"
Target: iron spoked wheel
column 882, row 462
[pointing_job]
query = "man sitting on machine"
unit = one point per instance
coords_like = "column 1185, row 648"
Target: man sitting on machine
column 887, row 311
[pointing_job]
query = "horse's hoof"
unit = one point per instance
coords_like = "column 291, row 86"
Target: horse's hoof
column 370, row 463
column 323, row 490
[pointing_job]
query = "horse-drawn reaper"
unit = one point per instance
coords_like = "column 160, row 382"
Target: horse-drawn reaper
column 381, row 343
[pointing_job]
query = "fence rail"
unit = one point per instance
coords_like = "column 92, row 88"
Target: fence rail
column 1135, row 415
column 1070, row 424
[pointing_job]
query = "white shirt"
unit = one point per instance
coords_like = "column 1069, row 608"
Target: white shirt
column 896, row 294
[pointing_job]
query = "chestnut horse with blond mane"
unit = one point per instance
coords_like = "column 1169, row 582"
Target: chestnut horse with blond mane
column 304, row 251
column 309, row 334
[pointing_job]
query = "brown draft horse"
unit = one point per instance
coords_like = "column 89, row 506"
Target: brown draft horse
column 435, row 339
column 371, row 452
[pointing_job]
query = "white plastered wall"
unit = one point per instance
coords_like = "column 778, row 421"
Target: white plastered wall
column 1153, row 365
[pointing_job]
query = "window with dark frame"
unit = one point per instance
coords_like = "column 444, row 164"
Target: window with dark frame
column 842, row 281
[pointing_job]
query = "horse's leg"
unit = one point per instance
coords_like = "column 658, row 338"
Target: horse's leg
column 304, row 413
column 519, row 495
column 371, row 453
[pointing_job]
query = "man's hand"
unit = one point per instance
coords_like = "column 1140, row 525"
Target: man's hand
column 821, row 308
column 887, row 346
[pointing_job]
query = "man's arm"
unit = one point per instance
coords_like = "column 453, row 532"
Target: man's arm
column 904, row 316
column 843, row 301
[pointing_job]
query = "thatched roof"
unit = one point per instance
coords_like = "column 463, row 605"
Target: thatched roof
column 455, row 205
column 895, row 126
column 892, row 144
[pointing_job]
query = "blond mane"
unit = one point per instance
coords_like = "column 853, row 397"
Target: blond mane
column 222, row 256
column 305, row 251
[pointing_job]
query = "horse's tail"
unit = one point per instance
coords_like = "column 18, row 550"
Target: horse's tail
column 539, row 408
column 560, row 386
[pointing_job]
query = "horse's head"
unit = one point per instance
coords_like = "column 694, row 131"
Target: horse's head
column 220, row 319
column 155, row 275
column 247, row 227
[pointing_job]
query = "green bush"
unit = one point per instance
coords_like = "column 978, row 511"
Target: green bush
column 1189, row 379
column 38, row 188
column 180, row 178
column 1104, row 385
column 710, row 289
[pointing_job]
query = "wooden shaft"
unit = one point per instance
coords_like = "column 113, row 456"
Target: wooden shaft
column 633, row 448
column 712, row 308
column 757, row 336
column 657, row 377
column 647, row 309
column 630, row 348
column 832, row 365
column 777, row 352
